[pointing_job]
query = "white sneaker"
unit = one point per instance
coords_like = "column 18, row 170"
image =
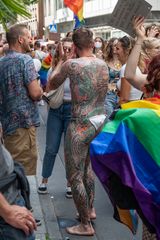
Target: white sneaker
column 42, row 189
column 68, row 192
column 41, row 103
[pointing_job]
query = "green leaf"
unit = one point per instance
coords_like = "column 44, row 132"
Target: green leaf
column 10, row 9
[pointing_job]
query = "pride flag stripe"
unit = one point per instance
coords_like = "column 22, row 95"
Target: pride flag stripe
column 129, row 147
column 146, row 135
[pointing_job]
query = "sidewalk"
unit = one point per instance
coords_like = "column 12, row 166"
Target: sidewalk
column 44, row 210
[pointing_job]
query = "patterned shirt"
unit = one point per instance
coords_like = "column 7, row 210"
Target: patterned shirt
column 17, row 109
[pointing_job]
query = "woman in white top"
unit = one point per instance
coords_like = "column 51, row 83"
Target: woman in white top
column 127, row 92
column 132, row 93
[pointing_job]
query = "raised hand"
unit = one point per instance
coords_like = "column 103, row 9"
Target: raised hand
column 138, row 26
column 153, row 32
column 72, row 53
column 61, row 51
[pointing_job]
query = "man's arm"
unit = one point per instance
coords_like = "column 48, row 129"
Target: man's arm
column 16, row 216
column 30, row 79
column 35, row 91
column 58, row 76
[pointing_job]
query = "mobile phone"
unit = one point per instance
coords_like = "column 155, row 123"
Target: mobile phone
column 46, row 99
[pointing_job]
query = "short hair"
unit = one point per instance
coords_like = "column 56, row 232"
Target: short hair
column 14, row 32
column 83, row 38
column 66, row 39
column 37, row 44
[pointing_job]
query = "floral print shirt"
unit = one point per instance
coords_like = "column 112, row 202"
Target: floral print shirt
column 17, row 109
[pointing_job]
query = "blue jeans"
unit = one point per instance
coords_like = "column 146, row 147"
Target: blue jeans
column 57, row 123
column 7, row 232
column 111, row 102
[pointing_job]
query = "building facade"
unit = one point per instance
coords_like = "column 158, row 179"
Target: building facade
column 96, row 14
column 32, row 21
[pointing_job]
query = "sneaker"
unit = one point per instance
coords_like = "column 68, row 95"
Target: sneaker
column 41, row 103
column 38, row 222
column 31, row 209
column 42, row 189
column 68, row 192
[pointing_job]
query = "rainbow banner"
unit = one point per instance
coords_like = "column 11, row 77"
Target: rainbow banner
column 126, row 158
column 77, row 7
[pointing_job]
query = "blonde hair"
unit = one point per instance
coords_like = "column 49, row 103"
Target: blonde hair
column 150, row 43
column 144, row 60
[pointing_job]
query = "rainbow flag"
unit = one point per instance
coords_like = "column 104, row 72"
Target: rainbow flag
column 46, row 64
column 77, row 7
column 126, row 158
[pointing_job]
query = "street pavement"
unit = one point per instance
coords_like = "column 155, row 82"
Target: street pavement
column 57, row 212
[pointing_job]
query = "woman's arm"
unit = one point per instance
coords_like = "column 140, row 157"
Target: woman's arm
column 136, row 78
column 124, row 91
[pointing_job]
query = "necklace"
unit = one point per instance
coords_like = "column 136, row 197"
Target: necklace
column 117, row 65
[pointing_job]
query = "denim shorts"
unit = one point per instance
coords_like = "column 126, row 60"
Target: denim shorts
column 7, row 232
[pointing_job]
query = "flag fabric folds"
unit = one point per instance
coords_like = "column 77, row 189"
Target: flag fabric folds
column 77, row 7
column 126, row 158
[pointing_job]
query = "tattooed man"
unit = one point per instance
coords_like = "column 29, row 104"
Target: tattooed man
column 88, row 82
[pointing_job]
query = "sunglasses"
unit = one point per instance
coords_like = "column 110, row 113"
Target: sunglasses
column 66, row 49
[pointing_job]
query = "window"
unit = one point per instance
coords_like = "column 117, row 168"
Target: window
column 44, row 6
column 49, row 7
column 59, row 4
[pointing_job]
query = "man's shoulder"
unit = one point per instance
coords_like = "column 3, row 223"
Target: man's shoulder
column 24, row 57
column 16, row 56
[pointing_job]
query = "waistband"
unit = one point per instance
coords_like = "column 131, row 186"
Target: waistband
column 66, row 101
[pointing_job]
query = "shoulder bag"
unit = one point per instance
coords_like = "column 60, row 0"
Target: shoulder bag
column 56, row 97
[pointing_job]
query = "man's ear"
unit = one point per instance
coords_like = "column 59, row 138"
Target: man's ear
column 75, row 50
column 92, row 45
column 20, row 39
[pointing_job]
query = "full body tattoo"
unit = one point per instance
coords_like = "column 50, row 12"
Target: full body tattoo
column 88, row 81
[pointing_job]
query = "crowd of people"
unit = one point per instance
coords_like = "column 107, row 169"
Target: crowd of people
column 95, row 77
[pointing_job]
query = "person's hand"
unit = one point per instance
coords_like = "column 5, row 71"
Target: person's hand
column 138, row 26
column 61, row 52
column 99, row 54
column 153, row 32
column 72, row 53
column 21, row 218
